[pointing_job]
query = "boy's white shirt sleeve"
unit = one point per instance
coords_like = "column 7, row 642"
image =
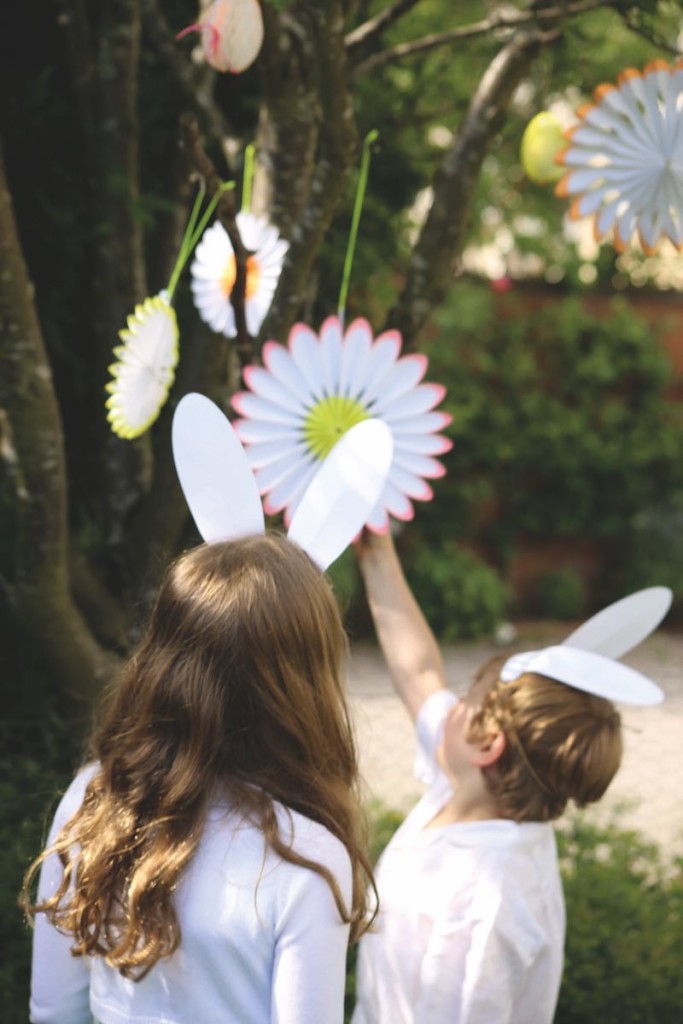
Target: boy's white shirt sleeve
column 429, row 726
column 60, row 983
column 309, row 971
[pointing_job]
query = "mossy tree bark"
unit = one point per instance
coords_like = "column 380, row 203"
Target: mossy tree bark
column 35, row 480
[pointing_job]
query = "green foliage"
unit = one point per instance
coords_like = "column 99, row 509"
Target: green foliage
column 28, row 793
column 560, row 594
column 624, row 929
column 460, row 595
column 624, row 925
column 656, row 549
column 562, row 428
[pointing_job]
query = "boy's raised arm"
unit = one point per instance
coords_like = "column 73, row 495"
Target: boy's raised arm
column 408, row 644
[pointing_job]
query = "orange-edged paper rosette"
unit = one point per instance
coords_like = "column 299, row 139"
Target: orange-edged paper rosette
column 624, row 159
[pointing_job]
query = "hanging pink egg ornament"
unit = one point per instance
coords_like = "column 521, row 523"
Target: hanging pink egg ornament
column 231, row 34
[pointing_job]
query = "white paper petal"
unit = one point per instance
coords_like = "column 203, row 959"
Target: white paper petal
column 420, row 400
column 262, row 455
column 252, row 406
column 290, row 490
column 264, row 384
column 354, row 360
column 284, row 369
column 384, row 354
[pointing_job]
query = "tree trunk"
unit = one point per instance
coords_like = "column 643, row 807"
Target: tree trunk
column 305, row 63
column 36, row 500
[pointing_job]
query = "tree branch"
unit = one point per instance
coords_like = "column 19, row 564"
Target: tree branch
column 321, row 65
column 374, row 27
column 497, row 21
column 630, row 19
column 440, row 242
column 196, row 86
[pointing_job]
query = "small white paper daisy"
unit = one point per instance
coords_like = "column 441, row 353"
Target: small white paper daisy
column 315, row 389
column 625, row 158
column 213, row 273
column 145, row 367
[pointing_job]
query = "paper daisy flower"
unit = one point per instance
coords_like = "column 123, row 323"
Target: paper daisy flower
column 213, row 273
column 625, row 158
column 145, row 370
column 312, row 391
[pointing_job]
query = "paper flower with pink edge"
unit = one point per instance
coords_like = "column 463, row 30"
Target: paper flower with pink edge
column 310, row 392
column 213, row 273
column 231, row 34
column 625, row 158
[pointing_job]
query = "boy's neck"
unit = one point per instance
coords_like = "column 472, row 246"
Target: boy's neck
column 470, row 801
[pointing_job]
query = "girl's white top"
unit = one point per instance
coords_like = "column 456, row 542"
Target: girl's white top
column 261, row 939
column 471, row 922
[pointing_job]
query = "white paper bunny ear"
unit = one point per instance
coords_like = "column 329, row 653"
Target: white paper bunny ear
column 584, row 659
column 587, row 671
column 343, row 492
column 214, row 472
column 621, row 626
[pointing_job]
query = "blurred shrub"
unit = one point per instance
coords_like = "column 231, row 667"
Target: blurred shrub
column 562, row 428
column 560, row 594
column 27, row 793
column 656, row 549
column 460, row 595
column 624, row 929
column 624, row 925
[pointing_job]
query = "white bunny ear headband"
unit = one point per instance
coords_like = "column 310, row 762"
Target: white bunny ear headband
column 585, row 659
column 221, row 492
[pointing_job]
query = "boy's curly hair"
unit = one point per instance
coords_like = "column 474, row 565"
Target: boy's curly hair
column 562, row 744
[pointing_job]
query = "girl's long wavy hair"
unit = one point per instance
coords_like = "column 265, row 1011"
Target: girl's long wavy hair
column 235, row 689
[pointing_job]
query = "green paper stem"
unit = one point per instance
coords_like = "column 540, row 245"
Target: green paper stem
column 193, row 231
column 248, row 177
column 355, row 221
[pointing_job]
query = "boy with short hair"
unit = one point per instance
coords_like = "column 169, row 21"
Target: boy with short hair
column 471, row 921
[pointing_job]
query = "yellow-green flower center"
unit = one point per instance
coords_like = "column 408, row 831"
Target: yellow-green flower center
column 327, row 421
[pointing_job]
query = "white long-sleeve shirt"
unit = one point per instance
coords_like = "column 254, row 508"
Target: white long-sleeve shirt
column 471, row 921
column 261, row 939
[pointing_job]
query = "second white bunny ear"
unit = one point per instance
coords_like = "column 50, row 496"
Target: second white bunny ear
column 622, row 625
column 343, row 492
column 214, row 471
column 585, row 670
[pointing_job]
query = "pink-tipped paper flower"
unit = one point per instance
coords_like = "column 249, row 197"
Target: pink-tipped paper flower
column 315, row 389
column 231, row 34
column 625, row 158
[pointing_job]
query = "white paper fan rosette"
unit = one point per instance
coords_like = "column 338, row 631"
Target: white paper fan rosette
column 625, row 158
column 145, row 367
column 213, row 273
column 312, row 391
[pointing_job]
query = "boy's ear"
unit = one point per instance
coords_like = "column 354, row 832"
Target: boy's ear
column 490, row 749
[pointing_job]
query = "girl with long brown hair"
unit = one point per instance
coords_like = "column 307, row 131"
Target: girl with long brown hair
column 207, row 862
